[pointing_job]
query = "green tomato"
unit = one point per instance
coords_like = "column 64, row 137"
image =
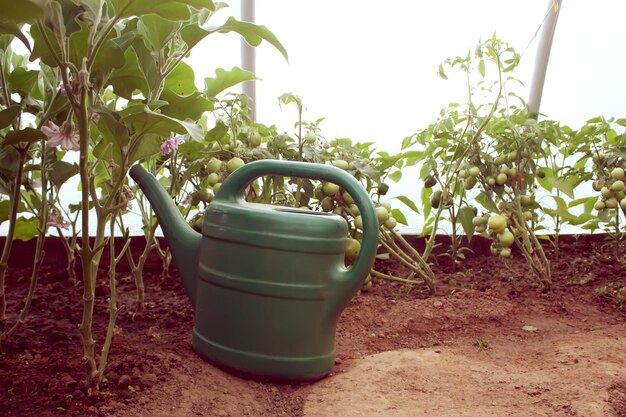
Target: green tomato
column 205, row 196
column 526, row 200
column 600, row 205
column 330, row 189
column 310, row 138
column 319, row 192
column 430, row 181
column 386, row 205
column 234, row 163
column 474, row 171
column 391, row 223
column 213, row 178
column 358, row 222
column 606, row 192
column 435, row 199
column 340, row 163
column 354, row 209
column 217, row 187
column 506, row 238
column 327, row 204
column 382, row 214
column 477, row 221
column 611, row 203
column 501, row 178
column 512, row 156
column 505, row 252
column 497, row 223
column 491, row 181
column 617, row 173
column 470, row 182
column 623, row 203
column 347, row 198
column 353, row 247
column 383, row 188
column 255, row 139
column 214, row 165
column 618, row 185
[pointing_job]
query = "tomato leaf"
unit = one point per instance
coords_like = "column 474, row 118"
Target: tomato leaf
column 8, row 115
column 399, row 216
column 466, row 216
column 28, row 134
column 408, row 202
column 26, row 229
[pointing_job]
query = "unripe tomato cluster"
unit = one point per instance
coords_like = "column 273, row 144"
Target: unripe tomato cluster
column 470, row 176
column 503, row 238
column 215, row 172
column 612, row 190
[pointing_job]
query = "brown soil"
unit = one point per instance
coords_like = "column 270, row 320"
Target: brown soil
column 489, row 344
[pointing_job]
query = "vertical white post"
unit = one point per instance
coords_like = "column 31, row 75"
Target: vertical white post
column 543, row 55
column 248, row 57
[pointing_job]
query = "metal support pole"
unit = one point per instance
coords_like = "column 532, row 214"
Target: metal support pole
column 248, row 57
column 543, row 55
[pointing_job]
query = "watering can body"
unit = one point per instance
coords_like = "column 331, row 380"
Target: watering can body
column 268, row 283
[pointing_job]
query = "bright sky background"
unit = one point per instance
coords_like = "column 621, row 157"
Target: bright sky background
column 370, row 67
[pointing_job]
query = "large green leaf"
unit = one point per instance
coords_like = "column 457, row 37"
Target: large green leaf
column 225, row 79
column 19, row 11
column 61, row 171
column 112, row 129
column 169, row 9
column 129, row 78
column 587, row 202
column 8, row 115
column 466, row 216
column 190, row 106
column 253, row 34
column 563, row 185
column 484, row 200
column 11, row 28
column 40, row 47
column 156, row 30
column 147, row 146
column 109, row 56
column 23, row 135
column 26, row 229
column 182, row 80
column 5, row 207
column 149, row 121
column 26, row 82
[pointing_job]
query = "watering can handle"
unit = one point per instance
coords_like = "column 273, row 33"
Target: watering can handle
column 232, row 190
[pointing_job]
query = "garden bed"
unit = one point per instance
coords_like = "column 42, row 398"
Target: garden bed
column 489, row 343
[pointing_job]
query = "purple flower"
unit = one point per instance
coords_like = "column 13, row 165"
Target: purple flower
column 170, row 144
column 65, row 138
column 56, row 220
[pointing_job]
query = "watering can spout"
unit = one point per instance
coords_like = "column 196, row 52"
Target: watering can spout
column 183, row 241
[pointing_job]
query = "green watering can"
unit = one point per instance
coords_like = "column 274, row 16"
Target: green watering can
column 268, row 283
